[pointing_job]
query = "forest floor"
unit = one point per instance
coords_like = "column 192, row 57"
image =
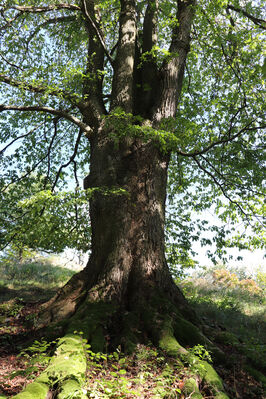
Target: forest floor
column 234, row 318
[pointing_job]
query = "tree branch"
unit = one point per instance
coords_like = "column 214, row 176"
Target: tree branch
column 48, row 22
column 71, row 159
column 32, row 9
column 149, row 69
column 40, row 90
column 224, row 141
column 98, row 33
column 221, row 187
column 257, row 21
column 64, row 114
column 172, row 70
column 20, row 137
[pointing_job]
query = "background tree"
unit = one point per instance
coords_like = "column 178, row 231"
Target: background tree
column 139, row 92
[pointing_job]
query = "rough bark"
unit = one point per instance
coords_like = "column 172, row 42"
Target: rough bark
column 127, row 265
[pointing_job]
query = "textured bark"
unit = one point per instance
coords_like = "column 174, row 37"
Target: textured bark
column 122, row 87
column 127, row 265
column 127, row 230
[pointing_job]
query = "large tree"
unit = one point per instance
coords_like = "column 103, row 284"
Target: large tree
column 144, row 95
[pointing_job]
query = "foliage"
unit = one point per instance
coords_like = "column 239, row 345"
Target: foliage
column 215, row 138
column 36, row 358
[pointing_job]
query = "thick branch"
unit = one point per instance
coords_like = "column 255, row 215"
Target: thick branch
column 41, row 89
column 93, row 81
column 122, row 93
column 173, row 69
column 150, row 26
column 257, row 21
column 32, row 9
column 64, row 114
column 149, row 72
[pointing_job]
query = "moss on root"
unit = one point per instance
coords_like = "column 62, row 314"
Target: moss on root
column 66, row 371
column 207, row 373
column 33, row 391
column 71, row 389
column 191, row 389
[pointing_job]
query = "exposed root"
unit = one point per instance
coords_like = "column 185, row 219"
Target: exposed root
column 65, row 302
column 204, row 370
column 65, row 374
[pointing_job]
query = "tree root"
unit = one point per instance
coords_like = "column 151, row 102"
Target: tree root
column 206, row 372
column 65, row 374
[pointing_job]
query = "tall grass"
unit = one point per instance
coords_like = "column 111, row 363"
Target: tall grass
column 31, row 280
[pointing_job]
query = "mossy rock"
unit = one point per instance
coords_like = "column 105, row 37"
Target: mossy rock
column 33, row 391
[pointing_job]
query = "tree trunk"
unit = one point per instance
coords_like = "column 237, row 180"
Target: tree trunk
column 127, row 265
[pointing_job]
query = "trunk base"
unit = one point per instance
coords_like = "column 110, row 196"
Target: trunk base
column 155, row 317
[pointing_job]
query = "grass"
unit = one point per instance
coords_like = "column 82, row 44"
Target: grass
column 31, row 280
column 234, row 308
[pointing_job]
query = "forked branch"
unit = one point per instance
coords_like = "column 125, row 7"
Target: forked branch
column 97, row 32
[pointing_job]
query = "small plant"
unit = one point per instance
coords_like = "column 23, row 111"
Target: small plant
column 36, row 357
column 201, row 352
column 11, row 308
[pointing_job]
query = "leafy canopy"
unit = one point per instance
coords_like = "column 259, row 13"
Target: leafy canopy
column 216, row 139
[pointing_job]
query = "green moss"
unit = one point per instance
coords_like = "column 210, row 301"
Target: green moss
column 98, row 341
column 213, row 380
column 168, row 342
column 33, row 391
column 89, row 318
column 191, row 389
column 69, row 360
column 187, row 333
column 221, row 395
column 67, row 369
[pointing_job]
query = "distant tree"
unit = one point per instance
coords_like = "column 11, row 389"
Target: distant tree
column 148, row 95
